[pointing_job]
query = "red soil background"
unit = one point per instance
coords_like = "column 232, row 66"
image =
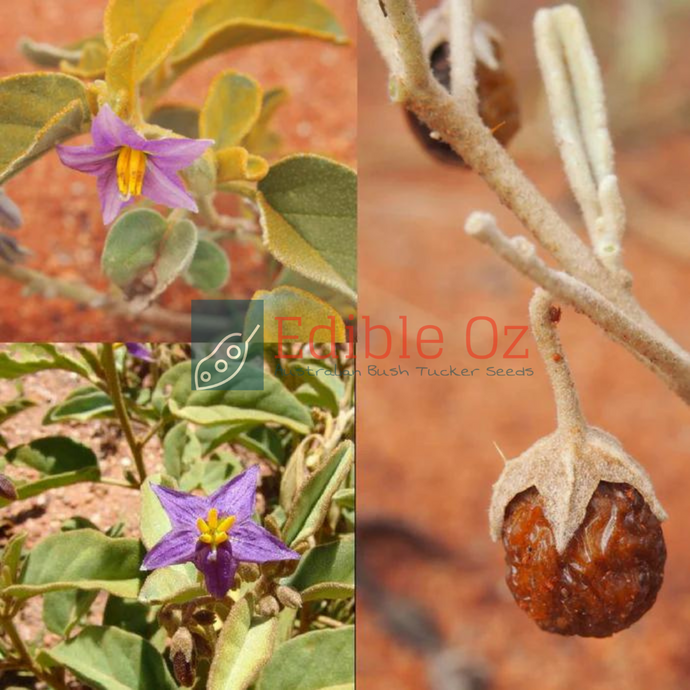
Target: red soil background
column 63, row 225
column 426, row 445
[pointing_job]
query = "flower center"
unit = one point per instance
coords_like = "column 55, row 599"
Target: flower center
column 131, row 167
column 213, row 532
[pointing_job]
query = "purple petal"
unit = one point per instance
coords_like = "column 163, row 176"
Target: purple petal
column 175, row 154
column 109, row 131
column 183, row 509
column 88, row 159
column 254, row 544
column 139, row 351
column 238, row 496
column 177, row 546
column 218, row 568
column 109, row 193
column 166, row 189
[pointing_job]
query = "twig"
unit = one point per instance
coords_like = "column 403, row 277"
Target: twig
column 651, row 346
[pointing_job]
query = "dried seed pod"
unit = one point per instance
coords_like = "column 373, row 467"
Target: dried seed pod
column 607, row 577
column 580, row 527
column 183, row 657
column 496, row 92
column 578, row 516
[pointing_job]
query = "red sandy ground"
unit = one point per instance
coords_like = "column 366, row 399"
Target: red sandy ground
column 63, row 227
column 425, row 445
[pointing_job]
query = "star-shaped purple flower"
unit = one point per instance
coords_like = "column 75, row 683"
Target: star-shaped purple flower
column 215, row 533
column 127, row 165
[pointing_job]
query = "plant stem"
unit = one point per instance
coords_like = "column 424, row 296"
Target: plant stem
column 543, row 318
column 151, row 433
column 19, row 646
column 81, row 293
column 115, row 390
column 110, row 481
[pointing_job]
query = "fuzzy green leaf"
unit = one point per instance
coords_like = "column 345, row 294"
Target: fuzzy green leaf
column 38, row 111
column 143, row 255
column 224, row 24
column 313, row 500
column 327, row 571
column 309, row 217
column 81, row 559
column 232, row 107
column 159, row 24
column 293, row 303
column 243, row 648
column 210, row 267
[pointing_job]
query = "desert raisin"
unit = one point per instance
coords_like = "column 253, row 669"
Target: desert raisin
column 498, row 106
column 607, row 577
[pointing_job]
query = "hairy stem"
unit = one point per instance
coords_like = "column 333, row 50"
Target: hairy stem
column 86, row 295
column 543, row 318
column 115, row 390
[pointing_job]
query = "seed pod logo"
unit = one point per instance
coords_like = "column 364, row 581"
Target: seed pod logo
column 236, row 353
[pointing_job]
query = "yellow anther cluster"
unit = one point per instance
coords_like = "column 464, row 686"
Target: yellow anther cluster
column 131, row 168
column 213, row 532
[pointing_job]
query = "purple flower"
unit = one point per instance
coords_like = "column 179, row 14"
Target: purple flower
column 139, row 351
column 215, row 533
column 128, row 166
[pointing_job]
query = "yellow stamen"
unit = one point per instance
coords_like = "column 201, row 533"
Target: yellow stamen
column 213, row 519
column 131, row 168
column 213, row 532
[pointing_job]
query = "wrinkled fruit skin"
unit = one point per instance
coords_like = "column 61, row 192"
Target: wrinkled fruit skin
column 497, row 104
column 607, row 577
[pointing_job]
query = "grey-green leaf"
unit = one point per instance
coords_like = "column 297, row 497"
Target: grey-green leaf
column 313, row 661
column 327, row 571
column 244, row 646
column 310, row 507
column 108, row 658
column 210, row 267
column 81, row 559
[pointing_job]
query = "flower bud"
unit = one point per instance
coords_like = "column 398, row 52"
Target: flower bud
column 249, row 572
column 289, row 597
column 182, row 655
column 7, row 489
column 267, row 606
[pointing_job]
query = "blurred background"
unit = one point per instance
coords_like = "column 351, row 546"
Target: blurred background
column 426, row 445
column 62, row 220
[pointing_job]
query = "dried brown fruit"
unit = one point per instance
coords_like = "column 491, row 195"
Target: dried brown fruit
column 498, row 105
column 607, row 577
